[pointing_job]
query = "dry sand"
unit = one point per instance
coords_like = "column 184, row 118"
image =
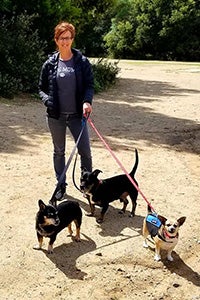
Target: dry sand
column 154, row 107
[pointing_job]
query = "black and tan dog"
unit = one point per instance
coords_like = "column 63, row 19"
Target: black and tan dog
column 50, row 220
column 164, row 233
column 102, row 192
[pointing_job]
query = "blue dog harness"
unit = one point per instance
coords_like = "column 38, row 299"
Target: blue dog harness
column 153, row 224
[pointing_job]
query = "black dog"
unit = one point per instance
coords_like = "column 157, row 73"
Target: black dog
column 50, row 220
column 102, row 192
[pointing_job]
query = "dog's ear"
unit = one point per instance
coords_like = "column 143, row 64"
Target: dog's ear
column 53, row 203
column 181, row 220
column 162, row 219
column 41, row 204
column 96, row 172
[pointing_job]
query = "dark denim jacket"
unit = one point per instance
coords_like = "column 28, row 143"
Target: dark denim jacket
column 48, row 90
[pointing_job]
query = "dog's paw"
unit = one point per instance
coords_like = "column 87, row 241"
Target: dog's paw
column 169, row 257
column 89, row 214
column 145, row 245
column 99, row 221
column 37, row 247
column 77, row 238
column 132, row 214
column 157, row 257
column 50, row 249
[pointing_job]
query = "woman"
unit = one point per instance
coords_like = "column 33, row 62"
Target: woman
column 66, row 89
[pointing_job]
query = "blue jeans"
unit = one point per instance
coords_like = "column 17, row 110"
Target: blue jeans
column 58, row 130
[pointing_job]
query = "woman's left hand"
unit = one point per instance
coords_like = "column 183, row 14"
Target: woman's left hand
column 87, row 109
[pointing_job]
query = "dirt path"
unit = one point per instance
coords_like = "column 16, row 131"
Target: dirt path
column 155, row 108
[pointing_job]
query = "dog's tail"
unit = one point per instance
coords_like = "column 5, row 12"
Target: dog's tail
column 136, row 164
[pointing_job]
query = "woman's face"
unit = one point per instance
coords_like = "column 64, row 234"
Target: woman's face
column 64, row 41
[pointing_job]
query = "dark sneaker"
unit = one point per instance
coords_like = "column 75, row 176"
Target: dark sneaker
column 61, row 193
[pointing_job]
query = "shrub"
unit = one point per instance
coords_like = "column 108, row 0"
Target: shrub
column 105, row 73
column 21, row 55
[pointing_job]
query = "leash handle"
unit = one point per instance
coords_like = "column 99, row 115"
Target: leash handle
column 84, row 121
column 119, row 163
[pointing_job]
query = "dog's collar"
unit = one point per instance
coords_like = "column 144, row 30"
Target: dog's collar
column 43, row 232
column 94, row 188
column 164, row 236
column 100, row 182
column 169, row 236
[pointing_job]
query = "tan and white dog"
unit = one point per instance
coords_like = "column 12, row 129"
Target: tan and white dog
column 164, row 233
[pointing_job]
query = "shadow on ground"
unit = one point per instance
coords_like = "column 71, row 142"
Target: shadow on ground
column 109, row 108
column 65, row 256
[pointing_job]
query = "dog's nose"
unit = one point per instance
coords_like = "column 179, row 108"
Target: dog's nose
column 82, row 188
column 57, row 222
column 171, row 229
column 82, row 185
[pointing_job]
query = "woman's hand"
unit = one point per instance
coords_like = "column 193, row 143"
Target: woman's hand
column 87, row 109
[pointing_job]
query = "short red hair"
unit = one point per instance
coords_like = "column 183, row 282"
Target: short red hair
column 62, row 27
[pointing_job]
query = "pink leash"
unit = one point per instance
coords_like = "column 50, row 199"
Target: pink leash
column 119, row 163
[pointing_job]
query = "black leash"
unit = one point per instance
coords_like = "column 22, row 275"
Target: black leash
column 53, row 199
column 73, row 174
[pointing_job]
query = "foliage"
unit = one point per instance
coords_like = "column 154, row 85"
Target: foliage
column 23, row 36
column 21, row 55
column 105, row 73
column 91, row 19
column 156, row 29
column 134, row 29
column 93, row 22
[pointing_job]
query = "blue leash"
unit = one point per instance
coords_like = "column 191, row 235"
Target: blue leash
column 53, row 199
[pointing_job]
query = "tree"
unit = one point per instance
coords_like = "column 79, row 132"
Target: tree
column 120, row 40
column 21, row 55
column 180, row 31
column 23, row 48
column 161, row 29
column 94, row 20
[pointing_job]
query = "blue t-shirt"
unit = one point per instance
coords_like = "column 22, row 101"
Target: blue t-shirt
column 66, row 82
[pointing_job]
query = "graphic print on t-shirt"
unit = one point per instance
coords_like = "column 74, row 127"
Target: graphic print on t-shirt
column 66, row 82
column 65, row 71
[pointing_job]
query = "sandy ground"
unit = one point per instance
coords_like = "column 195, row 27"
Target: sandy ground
column 155, row 107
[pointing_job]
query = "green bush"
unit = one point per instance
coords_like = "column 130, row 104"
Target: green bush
column 105, row 73
column 21, row 54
